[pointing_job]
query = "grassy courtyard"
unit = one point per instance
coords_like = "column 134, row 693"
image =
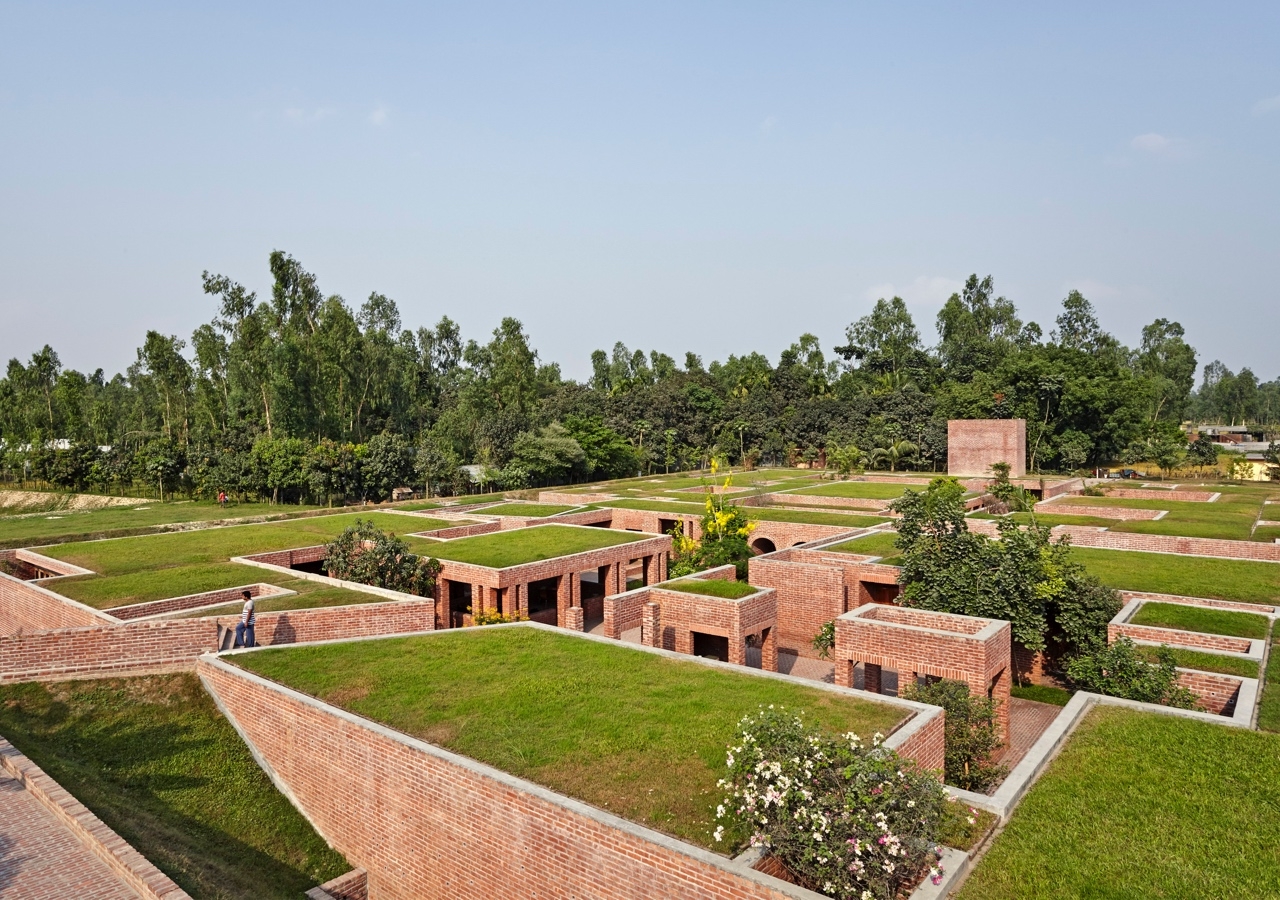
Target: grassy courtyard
column 138, row 569
column 862, row 490
column 525, row 545
column 758, row 514
column 1230, row 517
column 154, row 759
column 639, row 735
column 1143, row 805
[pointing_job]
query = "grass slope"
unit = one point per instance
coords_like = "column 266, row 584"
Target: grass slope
column 1143, row 805
column 525, row 545
column 138, row 569
column 532, row 510
column 1243, row 580
column 154, row 759
column 639, row 735
column 1197, row 618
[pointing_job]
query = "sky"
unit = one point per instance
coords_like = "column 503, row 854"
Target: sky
column 714, row 177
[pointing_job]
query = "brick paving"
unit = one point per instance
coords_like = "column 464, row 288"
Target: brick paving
column 1027, row 721
column 41, row 860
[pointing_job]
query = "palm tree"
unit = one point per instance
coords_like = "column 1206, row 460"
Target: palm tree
column 894, row 454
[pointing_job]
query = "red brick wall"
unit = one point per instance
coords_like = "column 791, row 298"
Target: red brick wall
column 974, row 444
column 926, row 746
column 1215, row 693
column 808, row 596
column 1122, row 513
column 1178, row 638
column 1159, row 543
column 684, row 613
column 195, row 601
column 1172, row 496
column 176, row 643
column 432, row 824
column 869, row 503
column 25, row 606
column 1126, row 596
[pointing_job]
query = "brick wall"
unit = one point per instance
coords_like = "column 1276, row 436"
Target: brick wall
column 434, row 824
column 683, row 613
column 42, row 566
column 25, row 606
column 125, row 862
column 458, row 531
column 1174, row 637
column 974, row 444
column 1126, row 596
column 1121, row 513
column 808, row 596
column 172, row 644
column 1215, row 693
column 352, row 886
column 868, row 503
column 196, row 601
column 1159, row 543
column 1174, row 496
column 573, row 499
column 926, row 744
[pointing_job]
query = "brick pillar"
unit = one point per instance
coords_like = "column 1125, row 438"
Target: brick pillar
column 651, row 566
column 564, row 595
column 573, row 618
column 1000, row 693
column 520, row 599
column 651, row 625
column 662, row 567
column 769, row 650
column 844, row 671
column 478, row 598
column 871, row 678
column 737, row 649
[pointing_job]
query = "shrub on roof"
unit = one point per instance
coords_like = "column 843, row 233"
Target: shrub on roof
column 367, row 555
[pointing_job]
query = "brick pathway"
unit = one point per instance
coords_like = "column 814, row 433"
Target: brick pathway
column 1027, row 721
column 41, row 860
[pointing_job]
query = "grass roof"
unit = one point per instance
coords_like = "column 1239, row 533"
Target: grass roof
column 711, row 587
column 518, row 546
column 640, row 735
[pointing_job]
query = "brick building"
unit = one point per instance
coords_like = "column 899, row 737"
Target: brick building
column 974, row 444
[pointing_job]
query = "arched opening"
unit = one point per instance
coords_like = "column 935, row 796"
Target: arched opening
column 762, row 545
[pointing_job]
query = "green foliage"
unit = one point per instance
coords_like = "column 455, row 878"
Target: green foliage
column 1023, row 577
column 849, row 820
column 970, row 736
column 365, row 554
column 825, row 640
column 1011, row 497
column 1119, row 670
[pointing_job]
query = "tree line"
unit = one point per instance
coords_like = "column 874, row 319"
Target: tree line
column 301, row 395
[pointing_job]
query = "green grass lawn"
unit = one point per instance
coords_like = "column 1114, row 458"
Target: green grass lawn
column 757, row 514
column 1204, row 662
column 880, row 543
column 1230, row 517
column 526, row 545
column 1041, row 694
column 64, row 525
column 1143, row 805
column 636, row 734
column 417, row 505
column 154, row 759
column 1197, row 618
column 138, row 569
column 533, row 510
column 1268, row 533
column 729, row 590
column 865, row 490
column 1269, row 706
column 1243, row 580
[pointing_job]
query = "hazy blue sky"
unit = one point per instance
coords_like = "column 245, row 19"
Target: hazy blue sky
column 714, row 177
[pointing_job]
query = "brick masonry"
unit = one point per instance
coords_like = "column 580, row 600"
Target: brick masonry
column 1173, row 496
column 352, row 886
column 813, row 587
column 916, row 642
column 1121, row 513
column 974, row 444
column 1086, row 536
column 26, row 606
column 175, row 644
column 1126, row 596
column 121, row 859
column 1194, row 640
column 435, row 824
column 1215, row 693
column 196, row 601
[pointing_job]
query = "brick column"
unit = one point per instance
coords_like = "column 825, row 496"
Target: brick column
column 738, row 649
column 564, row 597
column 769, row 652
column 844, row 669
column 1000, row 693
column 520, row 599
column 651, row 569
column 573, row 618
column 871, row 678
column 478, row 598
column 651, row 625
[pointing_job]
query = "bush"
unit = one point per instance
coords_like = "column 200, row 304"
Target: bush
column 970, row 733
column 367, row 555
column 848, row 820
column 826, row 639
column 1119, row 671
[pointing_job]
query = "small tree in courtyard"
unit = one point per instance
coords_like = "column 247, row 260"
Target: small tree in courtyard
column 365, row 554
column 970, row 736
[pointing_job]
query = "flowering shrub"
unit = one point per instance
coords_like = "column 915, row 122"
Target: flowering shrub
column 846, row 819
column 725, row 530
column 493, row 617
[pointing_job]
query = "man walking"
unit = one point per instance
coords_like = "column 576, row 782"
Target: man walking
column 244, row 628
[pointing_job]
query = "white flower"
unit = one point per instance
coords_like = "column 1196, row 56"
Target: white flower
column 719, row 835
